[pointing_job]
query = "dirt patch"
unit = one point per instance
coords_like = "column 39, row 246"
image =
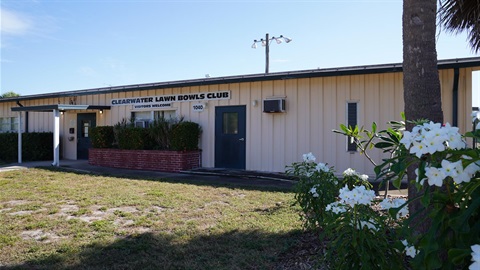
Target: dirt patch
column 127, row 209
column 21, row 213
column 155, row 209
column 17, row 202
column 39, row 235
column 68, row 208
column 120, row 222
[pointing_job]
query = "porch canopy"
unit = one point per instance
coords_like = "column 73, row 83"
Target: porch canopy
column 56, row 109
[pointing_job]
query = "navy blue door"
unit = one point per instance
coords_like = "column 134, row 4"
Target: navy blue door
column 230, row 131
column 85, row 121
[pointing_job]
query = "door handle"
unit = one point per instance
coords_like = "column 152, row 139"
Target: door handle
column 242, row 139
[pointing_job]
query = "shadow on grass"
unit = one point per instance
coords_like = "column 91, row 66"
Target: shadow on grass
column 232, row 250
column 200, row 180
column 206, row 180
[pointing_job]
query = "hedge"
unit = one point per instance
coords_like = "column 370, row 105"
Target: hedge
column 161, row 134
column 185, row 136
column 102, row 137
column 35, row 146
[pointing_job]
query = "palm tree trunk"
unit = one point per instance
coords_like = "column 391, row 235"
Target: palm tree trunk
column 422, row 93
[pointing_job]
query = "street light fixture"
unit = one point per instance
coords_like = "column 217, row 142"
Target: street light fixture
column 266, row 43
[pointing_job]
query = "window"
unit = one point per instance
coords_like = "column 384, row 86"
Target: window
column 230, row 123
column 165, row 114
column 351, row 122
column 144, row 118
column 8, row 124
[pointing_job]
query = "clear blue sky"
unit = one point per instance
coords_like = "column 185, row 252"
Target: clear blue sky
column 61, row 45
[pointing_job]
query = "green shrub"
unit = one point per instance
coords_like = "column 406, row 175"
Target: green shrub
column 317, row 187
column 185, row 136
column 161, row 134
column 102, row 137
column 132, row 138
column 35, row 146
column 160, row 131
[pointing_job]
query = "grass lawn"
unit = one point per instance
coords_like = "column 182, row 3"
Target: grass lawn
column 61, row 220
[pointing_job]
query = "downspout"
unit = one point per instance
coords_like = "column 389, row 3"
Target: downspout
column 26, row 117
column 456, row 75
column 19, row 133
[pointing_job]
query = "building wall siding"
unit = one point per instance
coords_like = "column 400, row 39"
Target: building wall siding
column 315, row 106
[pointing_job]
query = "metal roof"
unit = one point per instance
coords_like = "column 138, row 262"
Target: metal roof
column 312, row 73
column 60, row 107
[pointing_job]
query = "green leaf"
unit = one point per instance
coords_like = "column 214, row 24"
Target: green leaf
column 382, row 145
column 397, row 182
column 458, row 256
column 374, row 127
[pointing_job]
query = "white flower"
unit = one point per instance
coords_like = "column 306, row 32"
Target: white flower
column 364, row 177
column 395, row 203
column 419, row 149
column 475, row 116
column 386, row 204
column 472, row 168
column 409, row 250
column 313, row 190
column 322, row 167
column 452, row 169
column 358, row 195
column 336, row 208
column 349, row 172
column 370, row 224
column 435, row 176
column 434, row 143
column 431, row 138
column 309, row 157
column 455, row 140
column 407, row 139
column 475, row 257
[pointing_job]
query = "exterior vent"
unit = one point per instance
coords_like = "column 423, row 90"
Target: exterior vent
column 274, row 105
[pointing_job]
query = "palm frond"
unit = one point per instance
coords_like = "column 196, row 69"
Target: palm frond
column 462, row 15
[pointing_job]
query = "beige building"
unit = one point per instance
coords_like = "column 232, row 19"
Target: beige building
column 254, row 122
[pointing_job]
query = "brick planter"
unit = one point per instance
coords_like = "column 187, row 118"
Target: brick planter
column 154, row 160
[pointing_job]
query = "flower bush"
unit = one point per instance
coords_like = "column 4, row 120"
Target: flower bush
column 358, row 236
column 340, row 210
column 363, row 232
column 448, row 177
column 316, row 188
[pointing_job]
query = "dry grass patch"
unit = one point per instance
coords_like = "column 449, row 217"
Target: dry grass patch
column 55, row 220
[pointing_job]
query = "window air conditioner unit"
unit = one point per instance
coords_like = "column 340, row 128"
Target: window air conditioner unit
column 274, row 105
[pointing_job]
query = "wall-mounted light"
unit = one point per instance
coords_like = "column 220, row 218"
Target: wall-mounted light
column 62, row 112
column 255, row 103
column 101, row 111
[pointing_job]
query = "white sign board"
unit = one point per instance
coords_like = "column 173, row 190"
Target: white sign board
column 162, row 101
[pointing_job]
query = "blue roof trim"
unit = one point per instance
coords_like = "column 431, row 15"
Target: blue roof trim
column 328, row 72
